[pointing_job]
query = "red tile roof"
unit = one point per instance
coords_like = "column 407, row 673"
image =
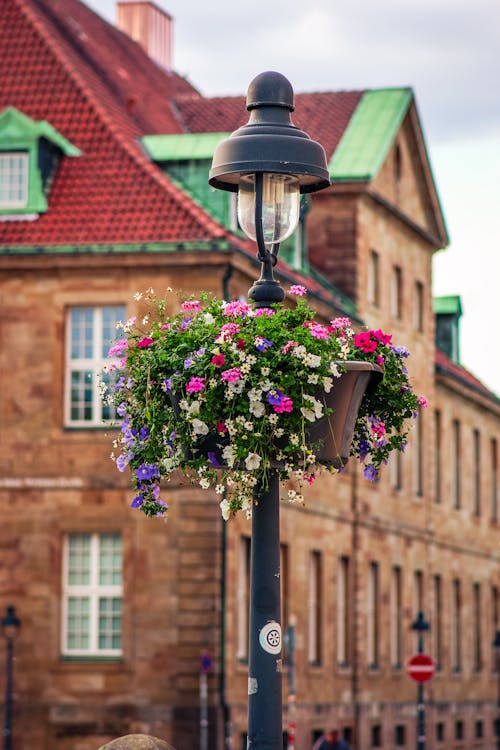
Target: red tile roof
column 448, row 367
column 61, row 62
column 324, row 116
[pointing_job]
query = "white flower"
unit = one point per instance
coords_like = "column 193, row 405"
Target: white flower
column 252, row 461
column 312, row 360
column 138, row 296
column 194, row 408
column 327, row 384
column 265, row 371
column 313, row 378
column 273, row 418
column 279, row 432
column 266, row 385
column 257, row 408
column 205, row 483
column 334, row 369
column 219, row 489
column 208, row 319
column 228, row 455
column 294, row 439
column 145, row 320
column 254, row 394
column 225, row 509
column 199, row 427
column 314, row 410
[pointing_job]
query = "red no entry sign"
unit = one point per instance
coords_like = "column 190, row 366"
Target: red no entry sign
column 420, row 667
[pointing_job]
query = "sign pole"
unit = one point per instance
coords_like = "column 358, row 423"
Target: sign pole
column 423, row 669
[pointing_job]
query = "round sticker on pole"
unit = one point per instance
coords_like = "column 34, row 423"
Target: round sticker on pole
column 421, row 667
column 205, row 663
column 270, row 637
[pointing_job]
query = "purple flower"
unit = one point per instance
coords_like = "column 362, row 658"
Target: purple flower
column 120, row 384
column 262, row 344
column 198, row 354
column 122, row 410
column 188, row 362
column 364, row 449
column 137, row 501
column 213, row 459
column 401, row 351
column 275, row 397
column 143, row 433
column 167, row 385
column 185, row 323
column 147, row 471
column 122, row 461
column 370, row 473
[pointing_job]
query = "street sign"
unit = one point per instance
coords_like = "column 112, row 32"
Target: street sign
column 421, row 667
column 205, row 663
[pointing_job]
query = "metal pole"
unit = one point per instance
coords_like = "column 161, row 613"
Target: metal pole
column 420, row 702
column 264, row 668
column 498, row 705
column 203, row 711
column 7, row 741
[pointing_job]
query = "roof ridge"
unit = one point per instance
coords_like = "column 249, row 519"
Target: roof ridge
column 134, row 151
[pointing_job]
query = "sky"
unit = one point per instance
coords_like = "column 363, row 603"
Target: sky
column 448, row 51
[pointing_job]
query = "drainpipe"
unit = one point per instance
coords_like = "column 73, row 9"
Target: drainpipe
column 225, row 708
column 355, row 678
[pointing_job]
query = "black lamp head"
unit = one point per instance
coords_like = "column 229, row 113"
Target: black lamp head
column 270, row 142
column 10, row 623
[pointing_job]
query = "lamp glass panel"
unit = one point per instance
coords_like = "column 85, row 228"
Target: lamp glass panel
column 280, row 206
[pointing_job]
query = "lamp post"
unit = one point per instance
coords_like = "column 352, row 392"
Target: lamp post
column 10, row 628
column 496, row 652
column 420, row 626
column 268, row 162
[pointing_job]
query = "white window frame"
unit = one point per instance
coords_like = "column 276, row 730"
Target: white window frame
column 95, row 364
column 94, row 591
column 22, row 168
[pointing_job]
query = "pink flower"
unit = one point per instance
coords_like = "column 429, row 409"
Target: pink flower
column 230, row 376
column 379, row 359
column 378, row 428
column 422, row 401
column 165, row 327
column 289, row 345
column 384, row 338
column 229, row 329
column 263, row 311
column 309, row 477
column 286, row 404
column 191, row 305
column 221, row 427
column 237, row 308
column 195, row 385
column 298, row 290
column 117, row 349
column 337, row 323
column 364, row 341
column 217, row 360
column 145, row 342
column 317, row 330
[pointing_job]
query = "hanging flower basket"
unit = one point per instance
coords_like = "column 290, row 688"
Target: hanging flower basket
column 225, row 393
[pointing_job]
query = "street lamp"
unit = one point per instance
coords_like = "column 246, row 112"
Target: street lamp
column 420, row 626
column 10, row 629
column 268, row 162
column 496, row 651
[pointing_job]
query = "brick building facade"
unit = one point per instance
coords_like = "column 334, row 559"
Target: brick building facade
column 116, row 609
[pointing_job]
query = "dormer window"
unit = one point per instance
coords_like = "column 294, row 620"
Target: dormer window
column 30, row 152
column 14, row 179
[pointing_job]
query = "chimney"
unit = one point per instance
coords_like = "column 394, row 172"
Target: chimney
column 150, row 26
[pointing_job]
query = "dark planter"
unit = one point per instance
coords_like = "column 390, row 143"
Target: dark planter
column 334, row 432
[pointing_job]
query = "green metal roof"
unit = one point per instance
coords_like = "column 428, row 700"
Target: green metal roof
column 183, row 146
column 450, row 305
column 16, row 126
column 370, row 133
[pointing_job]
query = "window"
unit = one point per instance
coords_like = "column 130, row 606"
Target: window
column 477, row 657
column 418, row 307
column 396, row 292
column 243, row 597
column 455, row 464
column 373, row 616
column 400, row 735
column 30, row 153
column 478, row 729
column 417, row 451
column 437, row 629
column 495, row 621
column 376, row 735
column 440, row 731
column 90, row 332
column 343, row 613
column 396, row 609
column 396, row 469
column 418, row 599
column 92, row 595
column 456, row 627
column 459, row 730
column 476, row 472
column 314, row 608
column 373, row 279
column 494, row 480
column 438, row 456
column 13, row 179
